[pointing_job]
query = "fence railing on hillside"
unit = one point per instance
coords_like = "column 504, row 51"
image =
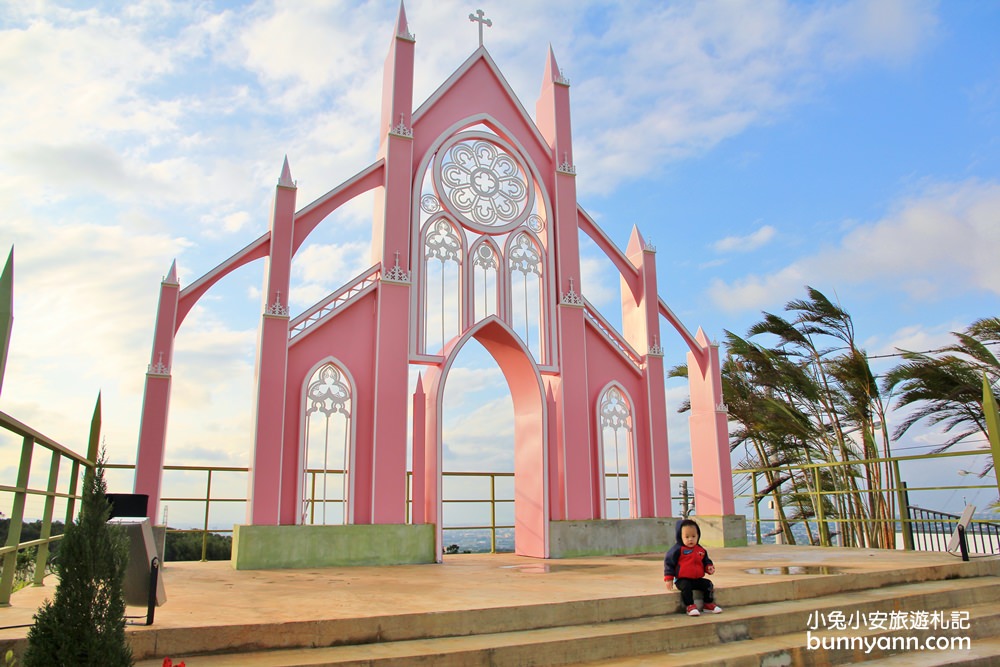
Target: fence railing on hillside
column 202, row 491
column 932, row 530
column 22, row 491
column 901, row 529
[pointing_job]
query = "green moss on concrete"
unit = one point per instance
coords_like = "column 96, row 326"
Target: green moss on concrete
column 729, row 530
column 609, row 537
column 277, row 547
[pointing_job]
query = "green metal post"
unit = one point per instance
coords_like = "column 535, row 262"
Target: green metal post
column 6, row 311
column 74, row 479
column 493, row 514
column 42, row 554
column 824, row 538
column 756, row 508
column 16, row 519
column 904, row 508
column 992, row 425
column 93, row 445
column 204, row 535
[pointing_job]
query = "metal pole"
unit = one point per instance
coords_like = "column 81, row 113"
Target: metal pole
column 208, row 501
column 42, row 554
column 493, row 513
column 16, row 519
column 756, row 508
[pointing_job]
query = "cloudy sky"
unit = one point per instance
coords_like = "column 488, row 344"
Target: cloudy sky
column 760, row 146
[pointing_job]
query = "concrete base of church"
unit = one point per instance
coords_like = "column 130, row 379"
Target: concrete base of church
column 729, row 530
column 291, row 547
column 608, row 537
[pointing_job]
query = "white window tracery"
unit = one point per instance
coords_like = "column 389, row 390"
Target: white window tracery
column 485, row 262
column 615, row 419
column 525, row 269
column 328, row 442
column 442, row 283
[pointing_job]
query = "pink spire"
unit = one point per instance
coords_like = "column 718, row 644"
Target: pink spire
column 402, row 28
column 635, row 243
column 285, row 179
column 172, row 274
column 552, row 72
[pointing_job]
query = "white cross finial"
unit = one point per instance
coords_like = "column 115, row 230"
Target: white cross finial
column 478, row 18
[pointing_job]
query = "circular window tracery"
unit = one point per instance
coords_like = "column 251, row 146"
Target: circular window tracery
column 483, row 182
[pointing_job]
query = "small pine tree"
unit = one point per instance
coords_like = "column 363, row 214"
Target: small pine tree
column 84, row 625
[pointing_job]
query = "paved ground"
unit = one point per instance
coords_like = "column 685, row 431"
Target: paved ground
column 213, row 594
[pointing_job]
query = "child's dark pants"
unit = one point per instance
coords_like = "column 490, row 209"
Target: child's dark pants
column 686, row 586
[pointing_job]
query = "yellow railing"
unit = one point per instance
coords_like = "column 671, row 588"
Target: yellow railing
column 813, row 490
column 493, row 500
column 207, row 496
column 23, row 491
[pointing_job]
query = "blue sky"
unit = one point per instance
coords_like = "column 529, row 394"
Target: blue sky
column 761, row 146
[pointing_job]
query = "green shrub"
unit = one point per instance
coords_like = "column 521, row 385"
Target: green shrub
column 84, row 624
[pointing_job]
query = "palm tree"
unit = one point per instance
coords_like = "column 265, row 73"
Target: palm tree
column 945, row 386
column 846, row 410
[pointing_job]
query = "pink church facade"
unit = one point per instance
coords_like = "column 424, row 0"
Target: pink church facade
column 475, row 236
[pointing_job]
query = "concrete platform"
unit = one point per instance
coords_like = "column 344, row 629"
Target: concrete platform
column 211, row 605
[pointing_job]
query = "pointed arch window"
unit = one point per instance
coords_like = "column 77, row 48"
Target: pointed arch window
column 615, row 419
column 329, row 436
column 442, row 276
column 485, row 260
column 526, row 268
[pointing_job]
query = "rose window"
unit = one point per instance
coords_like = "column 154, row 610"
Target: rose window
column 483, row 183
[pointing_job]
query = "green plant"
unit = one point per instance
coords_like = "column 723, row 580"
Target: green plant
column 84, row 624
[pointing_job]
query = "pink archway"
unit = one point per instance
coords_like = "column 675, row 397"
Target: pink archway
column 530, row 436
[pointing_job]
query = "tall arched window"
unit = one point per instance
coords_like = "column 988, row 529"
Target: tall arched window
column 443, row 248
column 485, row 261
column 525, row 264
column 328, row 439
column 615, row 419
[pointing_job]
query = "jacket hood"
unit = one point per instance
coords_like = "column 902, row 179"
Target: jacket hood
column 687, row 522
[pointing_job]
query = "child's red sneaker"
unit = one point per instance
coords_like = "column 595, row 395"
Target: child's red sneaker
column 693, row 610
column 714, row 608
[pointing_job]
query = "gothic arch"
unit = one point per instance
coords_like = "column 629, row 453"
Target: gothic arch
column 327, row 395
column 485, row 256
column 530, row 435
column 615, row 411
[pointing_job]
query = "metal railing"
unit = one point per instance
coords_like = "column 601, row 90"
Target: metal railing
column 905, row 524
column 207, row 496
column 932, row 530
column 23, row 491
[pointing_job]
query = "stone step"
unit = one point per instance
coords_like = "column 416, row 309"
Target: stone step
column 902, row 647
column 321, row 632
column 983, row 653
column 563, row 642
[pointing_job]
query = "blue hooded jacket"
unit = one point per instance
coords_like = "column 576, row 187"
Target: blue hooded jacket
column 686, row 562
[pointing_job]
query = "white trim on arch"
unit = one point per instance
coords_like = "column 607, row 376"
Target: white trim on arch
column 349, row 500
column 632, row 448
column 451, row 353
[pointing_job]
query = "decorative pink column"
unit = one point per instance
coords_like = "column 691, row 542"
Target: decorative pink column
column 574, row 429
column 383, row 499
column 156, row 397
column 641, row 328
column 710, row 463
column 264, row 503
column 419, row 481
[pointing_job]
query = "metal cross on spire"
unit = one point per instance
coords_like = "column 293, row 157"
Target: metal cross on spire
column 478, row 18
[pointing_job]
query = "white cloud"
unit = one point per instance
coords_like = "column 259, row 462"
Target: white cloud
column 753, row 241
column 942, row 238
